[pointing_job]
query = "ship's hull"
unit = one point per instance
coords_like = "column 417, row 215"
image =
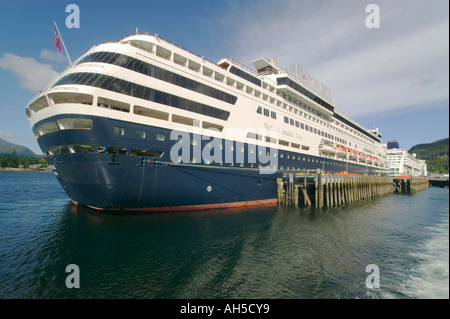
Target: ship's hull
column 118, row 181
column 130, row 186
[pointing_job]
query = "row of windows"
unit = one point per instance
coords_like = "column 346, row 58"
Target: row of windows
column 62, row 124
column 356, row 127
column 120, row 131
column 274, row 140
column 139, row 133
column 124, row 87
column 305, row 92
column 245, row 75
column 158, row 73
column 102, row 149
column 300, row 89
column 358, row 135
column 315, row 160
column 145, row 154
column 267, row 113
column 314, row 130
column 58, row 98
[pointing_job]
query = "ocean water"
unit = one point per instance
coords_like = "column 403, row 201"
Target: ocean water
column 265, row 252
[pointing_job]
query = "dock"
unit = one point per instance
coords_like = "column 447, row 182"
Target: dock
column 438, row 182
column 320, row 190
column 409, row 184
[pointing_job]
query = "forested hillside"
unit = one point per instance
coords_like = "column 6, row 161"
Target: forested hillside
column 436, row 155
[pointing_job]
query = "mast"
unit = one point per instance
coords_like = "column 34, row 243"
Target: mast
column 62, row 41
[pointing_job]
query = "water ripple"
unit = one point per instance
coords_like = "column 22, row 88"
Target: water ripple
column 235, row 253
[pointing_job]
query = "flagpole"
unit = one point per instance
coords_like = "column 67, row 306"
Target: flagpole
column 62, row 43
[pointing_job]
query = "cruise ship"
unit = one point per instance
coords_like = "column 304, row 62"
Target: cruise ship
column 143, row 124
column 402, row 163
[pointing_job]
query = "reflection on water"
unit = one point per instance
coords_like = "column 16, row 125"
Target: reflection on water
column 266, row 252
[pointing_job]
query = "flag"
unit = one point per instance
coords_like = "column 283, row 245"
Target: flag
column 57, row 42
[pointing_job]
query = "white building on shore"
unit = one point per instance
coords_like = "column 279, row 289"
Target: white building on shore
column 402, row 163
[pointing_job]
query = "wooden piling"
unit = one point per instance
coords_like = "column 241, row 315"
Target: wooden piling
column 410, row 184
column 316, row 191
column 319, row 177
column 305, row 185
column 328, row 190
column 307, row 200
column 331, row 190
column 280, row 190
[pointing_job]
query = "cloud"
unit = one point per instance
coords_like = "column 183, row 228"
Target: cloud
column 398, row 73
column 4, row 134
column 54, row 56
column 402, row 64
column 427, row 80
column 32, row 75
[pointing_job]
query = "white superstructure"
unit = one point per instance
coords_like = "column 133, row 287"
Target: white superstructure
column 306, row 123
column 402, row 163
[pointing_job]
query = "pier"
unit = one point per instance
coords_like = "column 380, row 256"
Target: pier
column 309, row 189
column 410, row 185
column 438, row 182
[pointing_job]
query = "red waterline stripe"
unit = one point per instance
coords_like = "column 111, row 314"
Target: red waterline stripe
column 272, row 201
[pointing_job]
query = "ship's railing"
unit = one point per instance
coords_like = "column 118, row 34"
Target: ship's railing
column 63, row 72
column 299, row 74
column 51, row 83
column 308, row 81
column 248, row 69
column 169, row 42
column 242, row 66
column 230, row 59
column 348, row 118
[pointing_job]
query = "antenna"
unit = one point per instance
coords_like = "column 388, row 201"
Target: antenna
column 63, row 43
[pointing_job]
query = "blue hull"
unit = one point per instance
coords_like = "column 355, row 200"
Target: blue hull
column 123, row 181
column 129, row 185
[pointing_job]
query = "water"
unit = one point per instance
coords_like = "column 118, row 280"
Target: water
column 266, row 252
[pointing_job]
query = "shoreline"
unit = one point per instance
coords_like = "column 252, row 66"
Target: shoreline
column 13, row 169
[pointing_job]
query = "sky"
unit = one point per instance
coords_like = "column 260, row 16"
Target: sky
column 394, row 77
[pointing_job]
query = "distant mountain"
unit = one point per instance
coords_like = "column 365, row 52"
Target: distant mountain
column 8, row 148
column 435, row 154
column 433, row 150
